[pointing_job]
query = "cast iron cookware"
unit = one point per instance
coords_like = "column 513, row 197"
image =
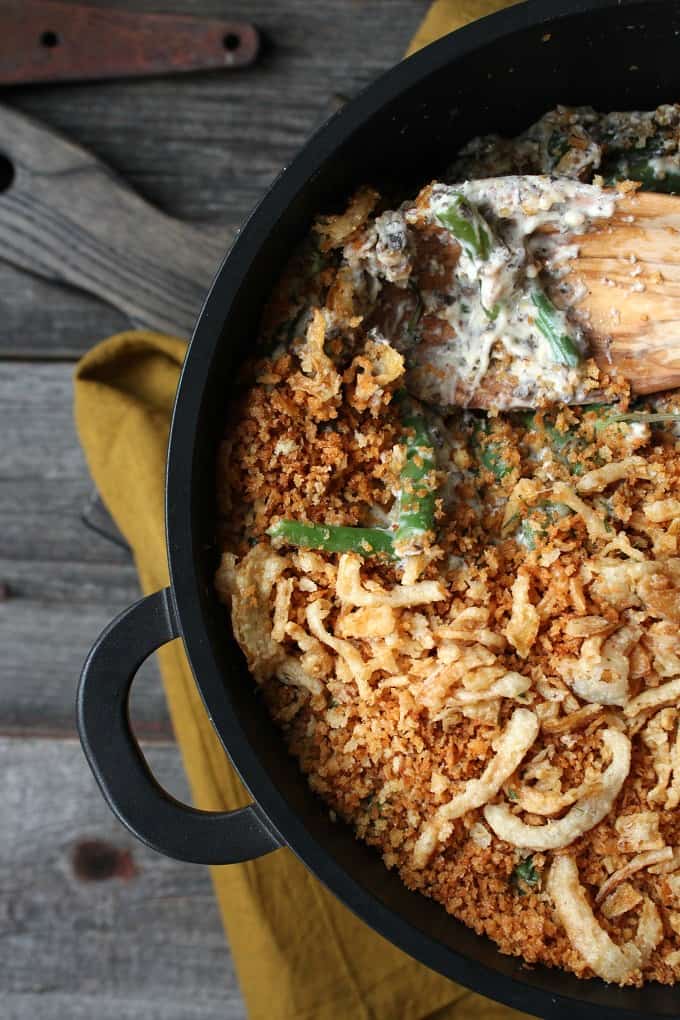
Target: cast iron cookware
column 498, row 74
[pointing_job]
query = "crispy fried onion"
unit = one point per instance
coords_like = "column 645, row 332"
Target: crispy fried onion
column 359, row 669
column 600, row 478
column 467, row 675
column 660, row 596
column 654, row 584
column 585, row 814
column 574, row 721
column 610, row 962
column 662, row 510
column 594, row 523
column 524, row 622
column 600, row 674
column 637, row 863
column 336, row 230
column 653, row 697
column 319, row 377
column 667, row 868
column 638, row 831
column 315, row 660
column 350, row 589
column 662, row 736
column 371, row 372
column 513, row 744
column 623, row 899
column 510, row 685
column 662, row 640
column 248, row 587
column 471, row 624
column 292, row 673
column 550, row 802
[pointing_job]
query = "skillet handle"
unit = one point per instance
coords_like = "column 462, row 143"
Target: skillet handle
column 148, row 811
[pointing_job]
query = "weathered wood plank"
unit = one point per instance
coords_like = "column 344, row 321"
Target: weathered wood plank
column 149, row 945
column 205, row 147
column 52, row 616
column 66, row 217
column 64, row 582
column 45, row 485
column 39, row 319
column 55, row 1006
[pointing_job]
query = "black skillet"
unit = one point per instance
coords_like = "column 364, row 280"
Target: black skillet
column 498, row 74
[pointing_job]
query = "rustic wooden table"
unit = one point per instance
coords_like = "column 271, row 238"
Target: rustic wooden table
column 109, row 929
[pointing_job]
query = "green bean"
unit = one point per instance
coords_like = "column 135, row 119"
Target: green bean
column 417, row 498
column 563, row 444
column 492, row 460
column 554, row 511
column 558, row 146
column 642, row 169
column 628, row 417
column 468, row 227
column 531, row 530
column 333, row 537
column 558, row 440
column 645, row 163
column 415, row 508
column 549, row 322
column 489, row 454
column 527, row 535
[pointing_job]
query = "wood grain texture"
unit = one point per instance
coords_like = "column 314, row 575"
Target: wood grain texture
column 43, row 320
column 628, row 268
column 45, row 483
column 150, row 946
column 63, row 582
column 53, row 41
column 50, row 617
column 67, row 218
column 204, row 148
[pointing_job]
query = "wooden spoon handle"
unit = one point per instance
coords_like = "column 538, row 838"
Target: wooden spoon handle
column 66, row 217
column 52, row 41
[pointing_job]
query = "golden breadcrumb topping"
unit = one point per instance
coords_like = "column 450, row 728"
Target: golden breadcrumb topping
column 474, row 649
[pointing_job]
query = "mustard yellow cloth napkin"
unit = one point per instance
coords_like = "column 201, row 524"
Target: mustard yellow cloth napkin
column 299, row 954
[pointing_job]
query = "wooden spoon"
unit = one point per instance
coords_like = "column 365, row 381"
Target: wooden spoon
column 626, row 278
column 629, row 266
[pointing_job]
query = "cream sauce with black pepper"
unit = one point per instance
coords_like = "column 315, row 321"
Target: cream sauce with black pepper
column 485, row 313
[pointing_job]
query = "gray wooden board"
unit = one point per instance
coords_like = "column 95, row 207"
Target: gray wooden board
column 149, row 947
column 47, row 625
column 44, row 482
column 203, row 147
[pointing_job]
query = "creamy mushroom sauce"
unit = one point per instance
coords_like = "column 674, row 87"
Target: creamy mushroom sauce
column 497, row 242
column 491, row 306
column 486, row 317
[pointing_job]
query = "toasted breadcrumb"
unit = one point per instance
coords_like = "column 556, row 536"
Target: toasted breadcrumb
column 552, row 592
